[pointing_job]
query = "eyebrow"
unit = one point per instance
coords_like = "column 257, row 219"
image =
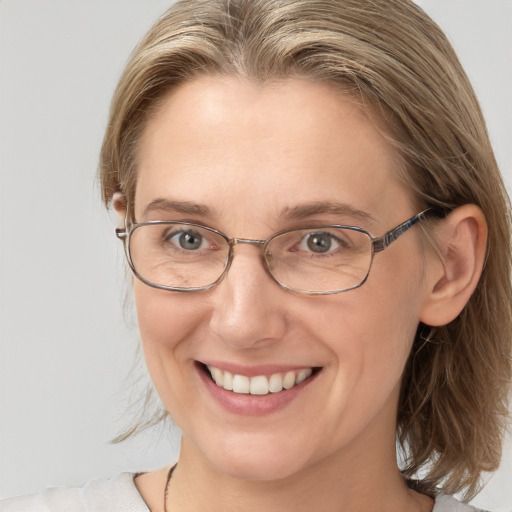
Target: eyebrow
column 168, row 205
column 331, row 207
column 297, row 212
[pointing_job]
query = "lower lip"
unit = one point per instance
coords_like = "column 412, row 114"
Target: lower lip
column 252, row 405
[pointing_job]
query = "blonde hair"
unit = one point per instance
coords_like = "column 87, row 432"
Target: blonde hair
column 396, row 60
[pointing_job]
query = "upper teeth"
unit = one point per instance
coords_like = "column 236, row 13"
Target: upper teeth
column 261, row 384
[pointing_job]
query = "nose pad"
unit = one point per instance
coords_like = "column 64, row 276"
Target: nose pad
column 267, row 260
column 248, row 306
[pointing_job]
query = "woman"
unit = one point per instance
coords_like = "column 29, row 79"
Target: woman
column 319, row 233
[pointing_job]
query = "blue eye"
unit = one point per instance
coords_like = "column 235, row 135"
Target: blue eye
column 189, row 240
column 320, row 242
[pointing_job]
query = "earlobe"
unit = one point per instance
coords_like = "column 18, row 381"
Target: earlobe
column 455, row 270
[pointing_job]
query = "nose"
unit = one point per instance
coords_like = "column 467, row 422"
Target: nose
column 248, row 309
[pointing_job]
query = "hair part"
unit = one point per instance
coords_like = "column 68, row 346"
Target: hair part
column 393, row 58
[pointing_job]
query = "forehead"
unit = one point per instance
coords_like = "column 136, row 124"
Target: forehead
column 233, row 145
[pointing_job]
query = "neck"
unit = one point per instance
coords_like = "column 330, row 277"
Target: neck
column 340, row 482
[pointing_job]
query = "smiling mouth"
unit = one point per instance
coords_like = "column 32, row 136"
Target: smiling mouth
column 260, row 384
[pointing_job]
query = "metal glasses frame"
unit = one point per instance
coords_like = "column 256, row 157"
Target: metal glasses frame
column 378, row 244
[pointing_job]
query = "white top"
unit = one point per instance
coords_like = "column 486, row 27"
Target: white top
column 119, row 494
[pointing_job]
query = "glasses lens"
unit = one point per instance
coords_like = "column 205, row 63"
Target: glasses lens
column 178, row 255
column 321, row 259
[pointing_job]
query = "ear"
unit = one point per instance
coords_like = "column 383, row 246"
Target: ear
column 118, row 204
column 454, row 272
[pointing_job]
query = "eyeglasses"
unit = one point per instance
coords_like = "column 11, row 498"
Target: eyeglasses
column 313, row 260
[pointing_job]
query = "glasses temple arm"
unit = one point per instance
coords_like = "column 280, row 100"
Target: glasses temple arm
column 382, row 242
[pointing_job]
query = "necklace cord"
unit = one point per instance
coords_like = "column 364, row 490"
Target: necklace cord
column 168, row 481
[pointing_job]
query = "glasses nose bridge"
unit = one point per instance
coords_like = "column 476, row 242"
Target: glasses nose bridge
column 249, row 241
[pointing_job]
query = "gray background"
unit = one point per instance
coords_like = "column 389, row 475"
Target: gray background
column 67, row 344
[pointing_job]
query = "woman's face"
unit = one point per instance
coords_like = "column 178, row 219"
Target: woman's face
column 249, row 161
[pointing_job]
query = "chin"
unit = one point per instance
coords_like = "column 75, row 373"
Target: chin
column 269, row 469
column 257, row 461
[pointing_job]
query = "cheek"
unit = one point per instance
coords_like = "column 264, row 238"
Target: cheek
column 154, row 317
column 156, row 330
column 169, row 324
column 373, row 338
column 166, row 322
column 392, row 321
column 164, row 317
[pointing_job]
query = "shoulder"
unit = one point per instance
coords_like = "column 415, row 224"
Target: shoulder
column 118, row 494
column 446, row 503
